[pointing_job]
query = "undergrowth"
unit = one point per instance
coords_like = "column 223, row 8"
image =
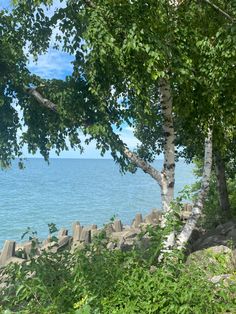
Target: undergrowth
column 95, row 280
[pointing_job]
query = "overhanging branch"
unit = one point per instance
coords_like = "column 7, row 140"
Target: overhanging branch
column 145, row 166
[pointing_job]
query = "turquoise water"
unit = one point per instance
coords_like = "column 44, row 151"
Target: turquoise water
column 88, row 190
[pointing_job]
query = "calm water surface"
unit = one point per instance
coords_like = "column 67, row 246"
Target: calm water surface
column 88, row 190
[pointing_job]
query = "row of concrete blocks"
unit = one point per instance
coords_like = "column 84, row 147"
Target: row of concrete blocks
column 80, row 234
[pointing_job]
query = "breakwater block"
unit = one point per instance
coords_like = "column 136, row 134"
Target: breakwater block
column 77, row 230
column 137, row 220
column 117, row 225
column 7, row 252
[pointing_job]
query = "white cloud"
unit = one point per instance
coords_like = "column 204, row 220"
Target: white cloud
column 53, row 64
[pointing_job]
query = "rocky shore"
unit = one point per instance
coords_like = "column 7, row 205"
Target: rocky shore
column 115, row 235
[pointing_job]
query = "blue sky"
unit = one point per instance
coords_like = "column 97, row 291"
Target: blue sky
column 55, row 64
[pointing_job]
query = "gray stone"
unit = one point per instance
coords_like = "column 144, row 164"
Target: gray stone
column 111, row 246
column 132, row 233
column 95, row 232
column 137, row 220
column 226, row 227
column 117, row 225
column 64, row 241
column 85, row 236
column 62, row 232
column 149, row 219
column 74, row 224
column 77, row 232
column 8, row 251
column 232, row 234
column 153, row 218
column 93, row 227
column 77, row 245
column 50, row 247
column 15, row 260
column 109, row 229
column 219, row 278
column 29, row 248
column 220, row 249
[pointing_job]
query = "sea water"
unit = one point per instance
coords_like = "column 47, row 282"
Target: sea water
column 89, row 190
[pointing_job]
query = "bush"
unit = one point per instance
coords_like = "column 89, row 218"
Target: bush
column 96, row 281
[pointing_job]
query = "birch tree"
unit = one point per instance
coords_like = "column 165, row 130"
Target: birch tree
column 149, row 64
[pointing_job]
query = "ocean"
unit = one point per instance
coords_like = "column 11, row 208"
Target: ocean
column 89, row 190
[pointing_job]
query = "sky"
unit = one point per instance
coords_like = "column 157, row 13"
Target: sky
column 56, row 64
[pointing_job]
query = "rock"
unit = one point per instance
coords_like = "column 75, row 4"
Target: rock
column 109, row 229
column 153, row 218
column 7, row 252
column 232, row 234
column 15, row 260
column 143, row 243
column 50, row 247
column 152, row 269
column 137, row 220
column 126, row 245
column 148, row 219
column 77, row 232
column 74, row 224
column 64, row 241
column 85, row 236
column 223, row 229
column 29, row 248
column 218, row 278
column 62, row 232
column 77, row 245
column 117, row 225
column 117, row 236
column 132, row 233
column 220, row 249
column 111, row 246
column 95, row 232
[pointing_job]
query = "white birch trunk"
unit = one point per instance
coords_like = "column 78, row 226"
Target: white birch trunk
column 191, row 223
column 168, row 172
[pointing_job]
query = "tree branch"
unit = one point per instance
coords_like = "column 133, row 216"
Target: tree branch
column 146, row 167
column 41, row 100
column 221, row 11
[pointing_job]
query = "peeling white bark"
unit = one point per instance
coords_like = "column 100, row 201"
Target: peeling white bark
column 168, row 172
column 145, row 166
column 191, row 223
column 41, row 100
